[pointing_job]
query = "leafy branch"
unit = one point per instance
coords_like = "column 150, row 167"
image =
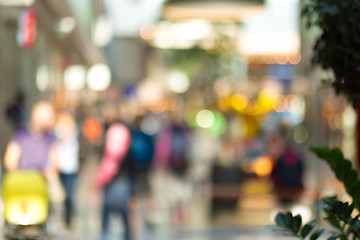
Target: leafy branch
column 291, row 225
column 338, row 214
column 337, row 47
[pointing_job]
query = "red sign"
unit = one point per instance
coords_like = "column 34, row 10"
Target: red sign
column 27, row 28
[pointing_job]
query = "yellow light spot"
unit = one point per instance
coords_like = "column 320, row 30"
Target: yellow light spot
column 239, row 102
column 281, row 60
column 262, row 166
column 295, row 59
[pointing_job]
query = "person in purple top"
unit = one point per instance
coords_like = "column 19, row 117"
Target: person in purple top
column 32, row 148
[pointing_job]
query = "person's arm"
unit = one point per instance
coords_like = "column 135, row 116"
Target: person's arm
column 12, row 156
column 117, row 143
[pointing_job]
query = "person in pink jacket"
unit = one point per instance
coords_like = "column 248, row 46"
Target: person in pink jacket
column 113, row 176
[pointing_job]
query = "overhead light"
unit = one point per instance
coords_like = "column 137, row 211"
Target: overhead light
column 74, row 77
column 214, row 11
column 269, row 43
column 103, row 31
column 17, row 3
column 179, row 82
column 99, row 77
column 42, row 78
column 180, row 35
column 65, row 26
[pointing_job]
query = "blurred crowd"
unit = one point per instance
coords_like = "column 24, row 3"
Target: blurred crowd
column 148, row 162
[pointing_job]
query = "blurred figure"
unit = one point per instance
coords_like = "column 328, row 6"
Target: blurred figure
column 114, row 176
column 140, row 158
column 33, row 147
column 288, row 167
column 15, row 111
column 172, row 148
column 141, row 154
column 172, row 154
column 226, row 173
column 68, row 147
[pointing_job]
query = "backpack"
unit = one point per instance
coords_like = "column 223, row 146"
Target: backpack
column 141, row 149
column 179, row 147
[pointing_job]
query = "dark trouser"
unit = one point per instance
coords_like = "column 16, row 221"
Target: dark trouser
column 116, row 196
column 68, row 181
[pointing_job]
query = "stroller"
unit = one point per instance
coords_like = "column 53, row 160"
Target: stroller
column 26, row 205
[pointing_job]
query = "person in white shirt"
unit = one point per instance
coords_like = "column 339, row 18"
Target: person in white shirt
column 68, row 159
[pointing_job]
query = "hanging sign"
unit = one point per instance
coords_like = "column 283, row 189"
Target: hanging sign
column 27, row 28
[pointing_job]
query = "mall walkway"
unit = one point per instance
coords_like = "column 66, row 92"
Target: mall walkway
column 227, row 225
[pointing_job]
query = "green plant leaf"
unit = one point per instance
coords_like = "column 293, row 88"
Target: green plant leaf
column 343, row 237
column 354, row 190
column 333, row 220
column 296, row 224
column 343, row 169
column 280, row 220
column 350, row 179
column 348, row 211
column 288, row 219
column 333, row 238
column 337, row 153
column 308, row 228
column 321, row 152
column 316, row 234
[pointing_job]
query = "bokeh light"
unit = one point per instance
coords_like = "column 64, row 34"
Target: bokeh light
column 262, row 166
column 42, row 78
column 205, row 118
column 301, row 134
column 103, row 31
column 239, row 102
column 99, row 77
column 179, row 82
column 65, row 26
column 148, row 31
column 219, row 126
column 20, row 3
column 150, row 125
column 74, row 77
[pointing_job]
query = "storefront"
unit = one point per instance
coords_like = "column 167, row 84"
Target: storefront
column 38, row 40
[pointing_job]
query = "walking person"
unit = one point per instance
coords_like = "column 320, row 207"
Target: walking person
column 68, row 160
column 140, row 157
column 113, row 176
column 33, row 147
column 172, row 155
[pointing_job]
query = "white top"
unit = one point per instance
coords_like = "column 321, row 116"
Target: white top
column 68, row 156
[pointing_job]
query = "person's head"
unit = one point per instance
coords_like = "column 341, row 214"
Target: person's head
column 65, row 125
column 42, row 116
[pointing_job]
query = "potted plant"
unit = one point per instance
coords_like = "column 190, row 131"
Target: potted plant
column 336, row 49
